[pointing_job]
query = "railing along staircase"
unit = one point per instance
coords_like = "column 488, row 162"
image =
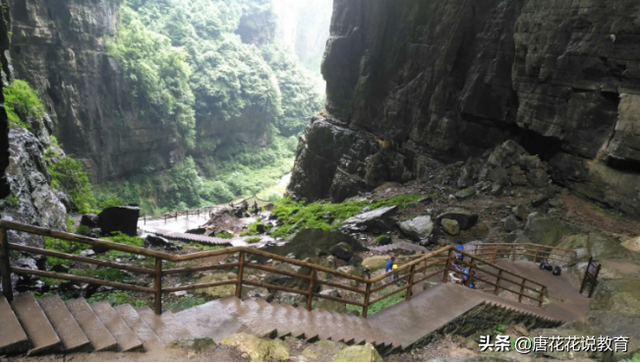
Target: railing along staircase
column 440, row 265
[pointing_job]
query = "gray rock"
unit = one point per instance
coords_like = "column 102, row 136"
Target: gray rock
column 556, row 203
column 119, row 219
column 418, row 228
column 544, row 230
column 496, row 189
column 375, row 221
column 520, row 212
column 465, row 193
column 450, row 226
column 343, row 251
column 87, row 253
column 465, row 217
column 510, row 224
column 89, row 220
column 309, row 241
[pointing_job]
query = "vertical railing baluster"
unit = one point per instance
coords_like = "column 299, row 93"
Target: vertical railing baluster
column 240, row 275
column 158, row 287
column 535, row 258
column 471, row 264
column 410, row 287
column 521, row 290
column 5, row 267
column 513, row 253
column 367, row 296
column 498, row 281
column 310, row 289
column 447, row 267
column 542, row 294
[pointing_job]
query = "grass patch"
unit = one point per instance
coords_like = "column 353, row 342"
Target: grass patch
column 225, row 235
column 184, row 302
column 117, row 297
column 380, row 305
column 609, row 213
column 316, row 215
column 253, row 239
column 380, row 238
column 54, row 244
column 122, row 238
column 634, row 358
column 201, row 247
column 104, row 273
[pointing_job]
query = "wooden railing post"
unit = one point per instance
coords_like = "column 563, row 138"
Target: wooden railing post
column 165, row 219
column 5, row 267
column 535, row 258
column 469, row 276
column 495, row 252
column 240, row 275
column 542, row 294
column 367, row 296
column 176, row 215
column 447, row 267
column 521, row 290
column 158, row 287
column 513, row 253
column 187, row 214
column 410, row 284
column 498, row 281
column 312, row 275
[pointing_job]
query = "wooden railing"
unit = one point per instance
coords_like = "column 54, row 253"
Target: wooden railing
column 427, row 266
column 530, row 251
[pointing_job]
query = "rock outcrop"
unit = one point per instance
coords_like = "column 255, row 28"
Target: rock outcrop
column 415, row 81
column 58, row 47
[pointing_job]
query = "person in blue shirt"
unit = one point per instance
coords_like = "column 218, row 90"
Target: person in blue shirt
column 457, row 254
column 389, row 265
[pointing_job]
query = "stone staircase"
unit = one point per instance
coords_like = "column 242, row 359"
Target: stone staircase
column 50, row 325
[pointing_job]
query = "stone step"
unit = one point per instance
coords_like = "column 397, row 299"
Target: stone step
column 157, row 324
column 43, row 337
column 99, row 336
column 215, row 319
column 13, row 339
column 67, row 328
column 127, row 340
column 149, row 339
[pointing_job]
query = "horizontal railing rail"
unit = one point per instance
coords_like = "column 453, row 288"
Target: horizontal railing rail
column 531, row 251
column 369, row 290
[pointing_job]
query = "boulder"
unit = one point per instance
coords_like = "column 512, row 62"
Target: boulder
column 342, row 251
column 157, row 241
column 465, row 193
column 329, row 346
column 450, row 226
column 355, row 260
column 308, row 241
column 419, row 228
column 632, row 245
column 544, row 230
column 217, row 291
column 198, row 345
column 510, row 224
column 383, row 240
column 358, row 353
column 332, row 305
column 465, row 217
column 292, row 282
column 539, row 199
column 520, row 212
column 89, row 220
column 374, row 221
column 119, row 219
column 259, row 350
column 351, row 270
column 199, row 231
column 260, row 228
column 375, row 263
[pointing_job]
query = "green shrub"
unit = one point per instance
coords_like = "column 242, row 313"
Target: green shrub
column 54, row 244
column 225, row 235
column 83, row 230
column 634, row 358
column 184, row 302
column 69, row 175
column 380, row 238
column 13, row 200
column 21, row 101
column 253, row 239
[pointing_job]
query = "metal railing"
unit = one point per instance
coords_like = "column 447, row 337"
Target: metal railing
column 533, row 252
column 420, row 269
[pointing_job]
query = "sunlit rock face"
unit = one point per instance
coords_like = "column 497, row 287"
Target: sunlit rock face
column 59, row 48
column 414, row 80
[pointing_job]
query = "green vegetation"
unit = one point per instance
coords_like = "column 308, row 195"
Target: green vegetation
column 316, row 215
column 225, row 235
column 13, row 200
column 120, row 237
column 253, row 239
column 609, row 213
column 201, row 247
column 184, row 302
column 68, row 174
column 21, row 102
column 386, row 302
column 380, row 238
column 117, row 297
column 635, row 358
column 499, row 329
column 54, row 244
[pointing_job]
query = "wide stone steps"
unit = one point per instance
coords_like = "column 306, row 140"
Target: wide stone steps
column 50, row 325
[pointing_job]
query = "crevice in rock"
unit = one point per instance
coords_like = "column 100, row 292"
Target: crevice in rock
column 624, row 165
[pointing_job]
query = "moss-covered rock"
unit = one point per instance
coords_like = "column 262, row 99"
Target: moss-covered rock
column 330, row 346
column 544, row 230
column 258, row 349
column 217, row 291
column 358, row 353
column 311, row 352
column 198, row 345
column 619, row 296
column 375, row 263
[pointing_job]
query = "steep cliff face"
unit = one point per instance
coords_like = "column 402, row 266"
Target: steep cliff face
column 58, row 47
column 414, row 80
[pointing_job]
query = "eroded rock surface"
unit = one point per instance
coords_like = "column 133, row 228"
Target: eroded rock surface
column 412, row 81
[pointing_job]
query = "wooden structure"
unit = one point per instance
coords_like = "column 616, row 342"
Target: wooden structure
column 590, row 276
column 441, row 262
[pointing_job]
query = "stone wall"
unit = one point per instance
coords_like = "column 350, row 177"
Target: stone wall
column 412, row 80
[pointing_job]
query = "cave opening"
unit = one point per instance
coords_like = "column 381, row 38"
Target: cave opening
column 536, row 144
column 624, row 165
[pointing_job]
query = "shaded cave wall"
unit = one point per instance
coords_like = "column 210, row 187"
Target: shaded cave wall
column 447, row 80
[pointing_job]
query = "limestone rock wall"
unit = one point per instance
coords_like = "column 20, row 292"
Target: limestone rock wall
column 413, row 80
column 58, row 47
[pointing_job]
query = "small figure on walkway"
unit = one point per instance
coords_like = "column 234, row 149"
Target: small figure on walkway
column 256, row 210
column 245, row 205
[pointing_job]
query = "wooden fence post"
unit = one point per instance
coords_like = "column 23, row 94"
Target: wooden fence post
column 240, row 275
column 367, row 295
column 410, row 287
column 521, row 290
column 312, row 276
column 158, row 287
column 176, row 215
column 542, row 294
column 5, row 267
column 535, row 258
column 495, row 252
column 498, row 281
column 513, row 253
column 470, row 275
column 445, row 278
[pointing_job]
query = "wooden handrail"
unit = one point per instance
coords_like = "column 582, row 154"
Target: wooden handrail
column 443, row 256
